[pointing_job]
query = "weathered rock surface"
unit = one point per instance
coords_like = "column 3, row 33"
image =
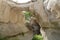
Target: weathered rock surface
column 12, row 23
column 49, row 18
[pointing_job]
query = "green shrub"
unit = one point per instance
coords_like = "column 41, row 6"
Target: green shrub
column 37, row 37
column 27, row 15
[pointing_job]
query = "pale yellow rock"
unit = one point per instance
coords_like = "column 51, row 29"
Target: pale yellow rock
column 21, row 22
column 13, row 16
column 4, row 12
column 12, row 21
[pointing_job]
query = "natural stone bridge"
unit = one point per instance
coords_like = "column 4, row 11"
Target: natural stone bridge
column 12, row 20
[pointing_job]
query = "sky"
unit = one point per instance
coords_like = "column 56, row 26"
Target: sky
column 21, row 1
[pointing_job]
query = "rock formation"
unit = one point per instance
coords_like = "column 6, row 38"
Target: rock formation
column 48, row 12
column 12, row 22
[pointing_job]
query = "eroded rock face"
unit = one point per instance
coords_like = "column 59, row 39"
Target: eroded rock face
column 3, row 11
column 49, row 15
column 12, row 23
